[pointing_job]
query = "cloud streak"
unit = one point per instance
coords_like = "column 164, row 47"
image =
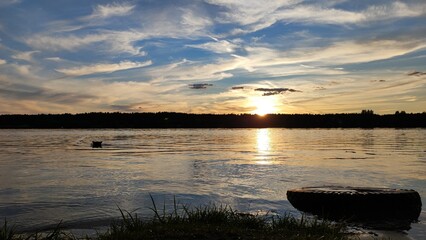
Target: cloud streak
column 200, row 85
column 112, row 10
column 275, row 91
column 28, row 92
column 219, row 46
column 416, row 73
column 103, row 68
column 237, row 88
column 26, row 56
column 253, row 15
column 69, row 43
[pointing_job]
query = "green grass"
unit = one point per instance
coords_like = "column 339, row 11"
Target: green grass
column 7, row 232
column 204, row 222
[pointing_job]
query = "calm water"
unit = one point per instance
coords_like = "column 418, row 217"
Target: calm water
column 52, row 175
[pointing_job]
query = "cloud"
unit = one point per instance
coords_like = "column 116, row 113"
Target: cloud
column 124, row 42
column 252, row 15
column 275, row 91
column 103, row 68
column 23, row 70
column 142, row 106
column 169, row 22
column 269, row 61
column 28, row 92
column 318, row 14
column 8, row 2
column 416, row 73
column 54, row 59
column 192, row 71
column 307, row 66
column 219, row 46
column 355, row 91
column 112, row 10
column 394, row 10
column 380, row 80
column 129, row 108
column 337, row 53
column 26, row 56
column 190, row 18
column 131, row 95
column 320, row 88
column 2, row 61
column 200, row 85
column 115, row 41
column 237, row 88
column 70, row 42
column 249, row 11
column 190, row 22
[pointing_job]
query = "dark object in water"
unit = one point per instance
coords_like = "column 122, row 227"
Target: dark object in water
column 358, row 204
column 96, row 144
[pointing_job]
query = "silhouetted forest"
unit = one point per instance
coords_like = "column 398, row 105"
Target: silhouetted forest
column 365, row 119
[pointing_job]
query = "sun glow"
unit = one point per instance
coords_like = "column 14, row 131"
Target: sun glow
column 264, row 105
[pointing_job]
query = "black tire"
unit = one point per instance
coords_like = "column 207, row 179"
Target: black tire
column 357, row 203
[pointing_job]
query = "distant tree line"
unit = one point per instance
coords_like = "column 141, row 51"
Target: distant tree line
column 365, row 119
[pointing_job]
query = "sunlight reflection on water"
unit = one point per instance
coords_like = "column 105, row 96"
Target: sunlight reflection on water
column 263, row 146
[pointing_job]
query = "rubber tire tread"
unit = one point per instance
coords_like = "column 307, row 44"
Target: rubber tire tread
column 371, row 205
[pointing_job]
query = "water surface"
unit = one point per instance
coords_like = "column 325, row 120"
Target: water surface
column 52, row 175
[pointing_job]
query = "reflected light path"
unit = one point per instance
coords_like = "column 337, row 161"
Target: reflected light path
column 263, row 146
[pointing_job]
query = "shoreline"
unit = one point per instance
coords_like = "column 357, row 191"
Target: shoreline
column 190, row 218
column 185, row 120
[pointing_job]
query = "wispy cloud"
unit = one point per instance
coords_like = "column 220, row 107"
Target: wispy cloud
column 237, row 88
column 192, row 71
column 103, row 68
column 336, row 53
column 28, row 92
column 219, row 46
column 416, row 73
column 26, row 56
column 26, row 71
column 298, row 62
column 54, row 59
column 200, row 85
column 251, row 11
column 252, row 16
column 70, row 42
column 144, row 106
column 2, row 61
column 356, row 91
column 367, row 51
column 184, row 23
column 396, row 9
column 113, row 42
column 112, row 10
column 167, row 23
column 275, row 91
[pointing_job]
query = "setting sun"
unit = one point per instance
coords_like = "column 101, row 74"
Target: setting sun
column 264, row 105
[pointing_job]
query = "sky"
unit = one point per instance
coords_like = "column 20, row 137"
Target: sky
column 212, row 56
